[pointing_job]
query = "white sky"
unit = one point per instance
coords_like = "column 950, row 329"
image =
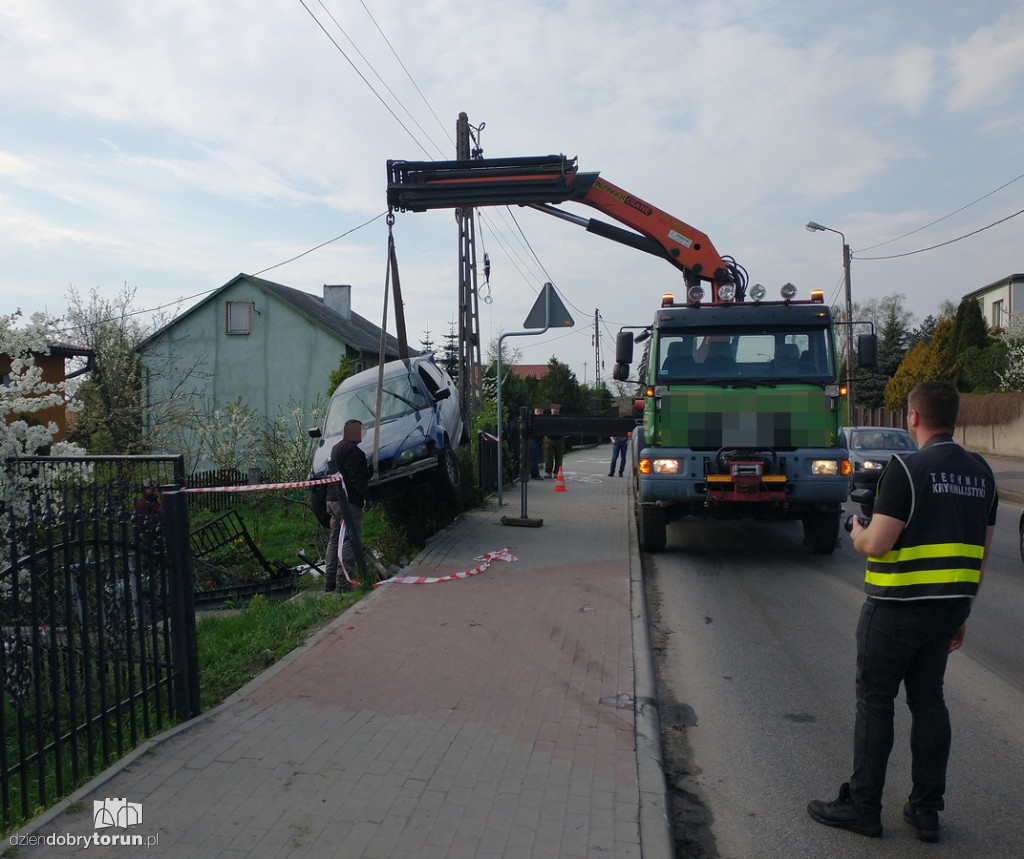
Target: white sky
column 169, row 146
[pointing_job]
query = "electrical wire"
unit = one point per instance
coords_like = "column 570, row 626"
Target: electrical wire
column 949, row 242
column 363, row 77
column 944, row 217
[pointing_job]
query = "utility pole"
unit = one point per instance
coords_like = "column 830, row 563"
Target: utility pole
column 597, row 348
column 469, row 314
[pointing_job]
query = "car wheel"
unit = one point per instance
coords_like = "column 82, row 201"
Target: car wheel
column 448, row 477
column 318, row 502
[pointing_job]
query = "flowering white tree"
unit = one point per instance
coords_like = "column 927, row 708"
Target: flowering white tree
column 23, row 393
column 1012, row 379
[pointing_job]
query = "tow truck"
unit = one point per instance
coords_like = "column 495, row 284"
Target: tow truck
column 742, row 400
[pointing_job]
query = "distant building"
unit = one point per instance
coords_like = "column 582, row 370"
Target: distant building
column 1000, row 299
column 530, row 371
column 260, row 341
column 54, row 372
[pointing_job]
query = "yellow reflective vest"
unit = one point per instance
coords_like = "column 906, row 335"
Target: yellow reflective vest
column 947, row 497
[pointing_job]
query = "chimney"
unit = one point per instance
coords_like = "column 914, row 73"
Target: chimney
column 338, row 297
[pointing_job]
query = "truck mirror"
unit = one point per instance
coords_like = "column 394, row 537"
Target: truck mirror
column 867, row 350
column 620, row 372
column 624, row 348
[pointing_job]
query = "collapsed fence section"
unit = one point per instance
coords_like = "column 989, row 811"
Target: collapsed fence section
column 97, row 627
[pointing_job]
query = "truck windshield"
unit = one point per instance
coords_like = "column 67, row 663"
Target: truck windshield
column 776, row 354
column 402, row 395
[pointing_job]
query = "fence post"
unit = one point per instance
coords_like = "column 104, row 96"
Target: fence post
column 185, row 650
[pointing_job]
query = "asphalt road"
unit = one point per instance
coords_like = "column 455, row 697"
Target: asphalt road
column 754, row 638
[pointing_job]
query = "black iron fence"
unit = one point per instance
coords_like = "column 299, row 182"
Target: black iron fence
column 97, row 623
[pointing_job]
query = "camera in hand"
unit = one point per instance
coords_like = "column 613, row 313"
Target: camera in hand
column 866, row 499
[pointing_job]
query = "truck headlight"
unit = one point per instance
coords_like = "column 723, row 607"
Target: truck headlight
column 824, row 467
column 873, row 465
column 665, row 466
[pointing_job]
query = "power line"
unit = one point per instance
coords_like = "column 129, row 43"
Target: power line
column 348, row 59
column 944, row 217
column 949, row 242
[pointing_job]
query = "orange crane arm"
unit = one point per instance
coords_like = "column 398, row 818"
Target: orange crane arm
column 541, row 181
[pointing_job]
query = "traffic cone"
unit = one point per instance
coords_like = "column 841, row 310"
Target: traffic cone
column 560, row 481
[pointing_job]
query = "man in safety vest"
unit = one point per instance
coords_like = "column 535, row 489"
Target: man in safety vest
column 926, row 546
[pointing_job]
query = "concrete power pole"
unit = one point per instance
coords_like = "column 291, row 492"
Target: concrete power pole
column 469, row 314
column 597, row 348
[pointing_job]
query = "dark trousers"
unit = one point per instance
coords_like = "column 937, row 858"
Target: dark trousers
column 618, row 453
column 903, row 643
column 348, row 555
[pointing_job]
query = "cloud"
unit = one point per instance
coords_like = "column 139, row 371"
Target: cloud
column 986, row 66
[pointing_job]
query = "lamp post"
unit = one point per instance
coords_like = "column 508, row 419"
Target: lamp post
column 813, row 226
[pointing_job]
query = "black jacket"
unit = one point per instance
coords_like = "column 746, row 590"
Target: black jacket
column 348, row 460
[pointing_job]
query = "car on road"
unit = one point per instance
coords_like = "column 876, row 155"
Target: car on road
column 1020, row 529
column 421, row 427
column 870, row 449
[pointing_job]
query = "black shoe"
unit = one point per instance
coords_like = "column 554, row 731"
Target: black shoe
column 611, row 473
column 843, row 814
column 925, row 822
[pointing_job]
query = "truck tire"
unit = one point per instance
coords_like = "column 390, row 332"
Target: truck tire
column 652, row 526
column 821, row 532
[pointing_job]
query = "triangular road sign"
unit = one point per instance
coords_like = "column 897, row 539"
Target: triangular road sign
column 548, row 311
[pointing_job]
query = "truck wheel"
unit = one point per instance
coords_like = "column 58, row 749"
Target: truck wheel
column 821, row 532
column 448, row 477
column 652, row 525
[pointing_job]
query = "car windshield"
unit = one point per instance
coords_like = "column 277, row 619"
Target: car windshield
column 400, row 396
column 779, row 354
column 881, row 439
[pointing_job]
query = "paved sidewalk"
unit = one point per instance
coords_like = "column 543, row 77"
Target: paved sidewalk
column 506, row 714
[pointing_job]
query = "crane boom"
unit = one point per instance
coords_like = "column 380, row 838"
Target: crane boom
column 540, row 182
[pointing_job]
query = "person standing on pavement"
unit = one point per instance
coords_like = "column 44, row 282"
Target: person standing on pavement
column 348, row 460
column 536, row 450
column 554, row 448
column 619, row 445
column 926, row 544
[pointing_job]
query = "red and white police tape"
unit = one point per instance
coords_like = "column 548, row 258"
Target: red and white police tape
column 487, row 557
column 253, row 487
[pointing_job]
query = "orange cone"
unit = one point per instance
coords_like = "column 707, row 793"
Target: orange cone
column 560, row 481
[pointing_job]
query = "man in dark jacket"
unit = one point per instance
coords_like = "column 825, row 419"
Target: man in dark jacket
column 348, row 460
column 926, row 546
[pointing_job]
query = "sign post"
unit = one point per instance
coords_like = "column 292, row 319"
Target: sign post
column 548, row 312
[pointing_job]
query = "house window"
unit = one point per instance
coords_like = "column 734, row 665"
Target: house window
column 997, row 314
column 237, row 316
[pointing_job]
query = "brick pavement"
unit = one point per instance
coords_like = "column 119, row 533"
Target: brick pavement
column 490, row 716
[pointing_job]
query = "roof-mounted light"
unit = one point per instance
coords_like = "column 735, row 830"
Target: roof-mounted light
column 818, row 296
column 667, row 299
column 695, row 294
column 788, row 292
column 727, row 292
column 757, row 292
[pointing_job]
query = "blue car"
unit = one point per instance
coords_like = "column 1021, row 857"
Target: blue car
column 421, row 427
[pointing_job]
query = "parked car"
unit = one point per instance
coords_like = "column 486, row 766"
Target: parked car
column 870, row 449
column 421, row 427
column 1020, row 529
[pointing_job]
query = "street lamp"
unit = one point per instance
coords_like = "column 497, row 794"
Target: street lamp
column 813, row 226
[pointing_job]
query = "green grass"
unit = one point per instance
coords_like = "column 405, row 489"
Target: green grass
column 236, row 645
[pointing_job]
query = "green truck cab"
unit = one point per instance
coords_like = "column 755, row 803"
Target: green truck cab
column 742, row 411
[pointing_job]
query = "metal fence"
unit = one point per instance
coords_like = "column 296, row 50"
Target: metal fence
column 97, row 625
